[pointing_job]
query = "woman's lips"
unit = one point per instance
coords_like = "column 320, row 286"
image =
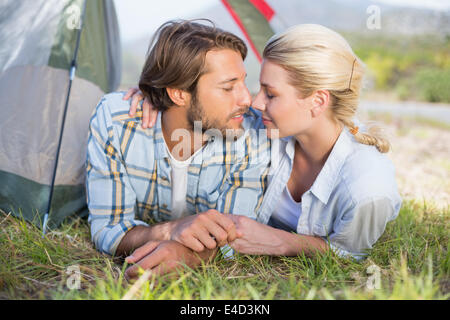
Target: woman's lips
column 266, row 120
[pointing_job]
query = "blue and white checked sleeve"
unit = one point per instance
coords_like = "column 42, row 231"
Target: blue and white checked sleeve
column 111, row 200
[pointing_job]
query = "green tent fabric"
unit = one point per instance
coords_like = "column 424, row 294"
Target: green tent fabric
column 38, row 41
column 253, row 23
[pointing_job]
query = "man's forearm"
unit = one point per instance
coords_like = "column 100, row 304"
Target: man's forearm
column 139, row 235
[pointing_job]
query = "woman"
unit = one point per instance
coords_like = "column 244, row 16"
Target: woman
column 333, row 188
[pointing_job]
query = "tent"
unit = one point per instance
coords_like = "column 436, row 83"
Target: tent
column 45, row 103
column 57, row 58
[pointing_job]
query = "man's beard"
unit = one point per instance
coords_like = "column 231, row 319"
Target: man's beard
column 197, row 113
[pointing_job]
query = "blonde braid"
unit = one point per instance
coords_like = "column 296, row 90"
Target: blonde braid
column 374, row 136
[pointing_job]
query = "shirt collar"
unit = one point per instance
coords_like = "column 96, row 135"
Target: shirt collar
column 326, row 180
column 158, row 138
column 290, row 146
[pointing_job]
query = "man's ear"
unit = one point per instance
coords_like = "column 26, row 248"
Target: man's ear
column 320, row 100
column 179, row 97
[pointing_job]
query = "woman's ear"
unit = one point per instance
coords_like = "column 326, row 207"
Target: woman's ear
column 320, row 100
column 179, row 97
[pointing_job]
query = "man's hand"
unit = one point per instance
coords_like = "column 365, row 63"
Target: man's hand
column 149, row 114
column 162, row 257
column 197, row 232
column 204, row 230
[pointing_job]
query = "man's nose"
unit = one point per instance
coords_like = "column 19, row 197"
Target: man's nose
column 245, row 98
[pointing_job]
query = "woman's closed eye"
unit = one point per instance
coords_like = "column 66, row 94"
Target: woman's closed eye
column 268, row 95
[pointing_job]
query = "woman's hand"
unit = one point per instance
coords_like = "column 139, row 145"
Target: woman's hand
column 256, row 238
column 149, row 114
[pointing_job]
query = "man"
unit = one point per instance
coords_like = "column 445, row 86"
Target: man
column 186, row 180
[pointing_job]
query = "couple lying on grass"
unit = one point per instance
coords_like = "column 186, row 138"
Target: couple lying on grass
column 191, row 166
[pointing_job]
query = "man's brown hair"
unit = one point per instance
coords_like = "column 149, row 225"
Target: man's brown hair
column 176, row 58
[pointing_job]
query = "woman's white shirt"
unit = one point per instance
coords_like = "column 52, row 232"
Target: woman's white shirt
column 352, row 199
column 287, row 213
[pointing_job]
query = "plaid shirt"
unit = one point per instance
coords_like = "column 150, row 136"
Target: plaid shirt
column 128, row 173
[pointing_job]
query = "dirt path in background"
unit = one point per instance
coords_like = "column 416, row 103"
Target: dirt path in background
column 421, row 155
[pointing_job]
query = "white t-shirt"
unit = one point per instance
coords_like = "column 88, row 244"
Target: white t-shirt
column 287, row 213
column 179, row 175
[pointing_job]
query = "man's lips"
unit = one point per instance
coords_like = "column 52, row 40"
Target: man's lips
column 239, row 115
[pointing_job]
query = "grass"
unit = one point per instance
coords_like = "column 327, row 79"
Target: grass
column 411, row 262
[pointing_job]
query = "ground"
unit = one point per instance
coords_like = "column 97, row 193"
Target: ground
column 410, row 260
column 421, row 156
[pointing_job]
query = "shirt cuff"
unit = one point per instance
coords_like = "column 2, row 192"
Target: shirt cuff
column 109, row 238
column 344, row 253
column 227, row 252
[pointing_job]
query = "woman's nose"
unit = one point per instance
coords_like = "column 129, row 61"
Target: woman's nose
column 258, row 102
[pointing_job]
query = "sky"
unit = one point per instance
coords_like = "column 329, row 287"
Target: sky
column 138, row 18
column 431, row 4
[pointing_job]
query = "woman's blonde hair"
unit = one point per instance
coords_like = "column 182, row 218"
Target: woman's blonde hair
column 316, row 58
